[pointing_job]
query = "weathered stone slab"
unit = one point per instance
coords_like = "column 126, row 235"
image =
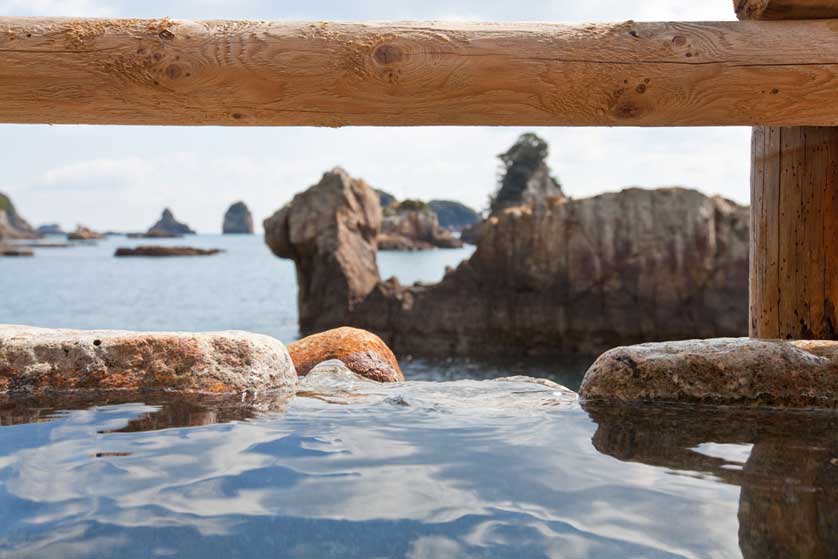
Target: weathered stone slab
column 37, row 359
column 719, row 371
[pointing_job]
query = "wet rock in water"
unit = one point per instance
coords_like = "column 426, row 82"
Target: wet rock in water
column 238, row 220
column 12, row 225
column 162, row 251
column 329, row 231
column 401, row 243
column 333, row 382
column 362, row 352
column 168, row 226
column 719, row 371
column 82, row 233
column 10, row 250
column 39, row 359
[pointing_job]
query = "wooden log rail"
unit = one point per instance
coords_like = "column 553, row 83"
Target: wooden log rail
column 171, row 72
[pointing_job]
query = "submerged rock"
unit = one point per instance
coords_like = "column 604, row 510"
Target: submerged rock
column 83, row 233
column 363, row 353
column 333, row 382
column 719, row 371
column 168, row 226
column 238, row 220
column 36, row 359
column 12, row 225
column 158, row 251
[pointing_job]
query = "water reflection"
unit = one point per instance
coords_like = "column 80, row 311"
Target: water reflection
column 160, row 410
column 785, row 463
column 461, row 469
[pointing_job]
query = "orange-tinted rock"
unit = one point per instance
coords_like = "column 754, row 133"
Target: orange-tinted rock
column 38, row 359
column 363, row 353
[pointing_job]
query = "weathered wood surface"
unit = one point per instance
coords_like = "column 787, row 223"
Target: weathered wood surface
column 786, row 9
column 327, row 74
column 794, row 233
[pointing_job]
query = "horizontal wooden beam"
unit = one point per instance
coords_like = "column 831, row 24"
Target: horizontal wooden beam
column 786, row 9
column 403, row 74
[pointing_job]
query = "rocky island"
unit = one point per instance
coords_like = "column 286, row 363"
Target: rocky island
column 82, row 233
column 237, row 220
column 166, row 227
column 552, row 275
column 162, row 251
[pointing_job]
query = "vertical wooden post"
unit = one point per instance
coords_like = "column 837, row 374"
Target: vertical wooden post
column 794, row 211
column 794, row 233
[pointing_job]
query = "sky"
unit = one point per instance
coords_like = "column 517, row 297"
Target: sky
column 121, row 177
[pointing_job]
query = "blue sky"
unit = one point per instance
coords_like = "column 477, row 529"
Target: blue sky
column 121, row 177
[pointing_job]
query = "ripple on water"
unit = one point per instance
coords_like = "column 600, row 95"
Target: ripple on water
column 351, row 468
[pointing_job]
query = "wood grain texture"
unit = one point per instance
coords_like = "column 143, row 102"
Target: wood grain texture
column 786, row 9
column 403, row 74
column 794, row 233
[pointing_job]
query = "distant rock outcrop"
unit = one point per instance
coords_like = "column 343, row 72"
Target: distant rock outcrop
column 452, row 215
column 50, row 229
column 555, row 276
column 238, row 220
column 526, row 178
column 412, row 225
column 83, row 233
column 159, row 251
column 168, row 226
column 12, row 225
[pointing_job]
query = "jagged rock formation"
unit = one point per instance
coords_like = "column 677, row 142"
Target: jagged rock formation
column 452, row 215
column 83, row 233
column 526, row 177
column 412, row 225
column 168, row 226
column 557, row 276
column 12, row 225
column 238, row 220
column 50, row 229
column 329, row 231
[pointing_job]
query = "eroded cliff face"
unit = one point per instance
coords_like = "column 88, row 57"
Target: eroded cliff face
column 558, row 276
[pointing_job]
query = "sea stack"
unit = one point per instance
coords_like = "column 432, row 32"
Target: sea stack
column 168, row 226
column 12, row 225
column 238, row 220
